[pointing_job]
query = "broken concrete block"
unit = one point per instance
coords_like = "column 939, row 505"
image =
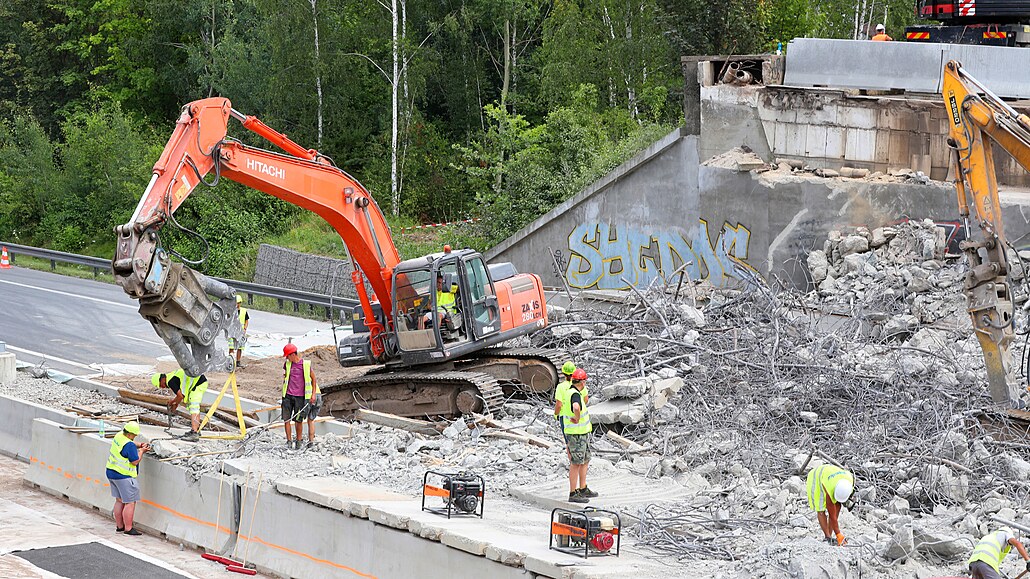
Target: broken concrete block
column 901, row 545
column 818, row 265
column 505, row 556
column 632, row 416
column 898, row 506
column 941, row 544
column 809, row 417
column 693, row 316
column 463, row 543
column 613, row 411
column 629, row 388
column 853, row 244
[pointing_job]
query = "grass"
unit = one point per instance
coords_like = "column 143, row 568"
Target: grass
column 313, row 235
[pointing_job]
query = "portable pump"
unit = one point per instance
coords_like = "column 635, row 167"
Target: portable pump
column 462, row 493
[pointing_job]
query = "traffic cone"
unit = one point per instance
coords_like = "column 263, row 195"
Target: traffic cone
column 5, row 259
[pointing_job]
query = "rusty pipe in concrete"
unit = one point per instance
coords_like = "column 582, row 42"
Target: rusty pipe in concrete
column 743, row 77
column 730, row 76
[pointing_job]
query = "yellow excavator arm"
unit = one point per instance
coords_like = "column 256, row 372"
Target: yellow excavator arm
column 978, row 121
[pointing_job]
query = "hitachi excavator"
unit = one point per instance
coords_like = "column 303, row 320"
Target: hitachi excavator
column 430, row 326
column 978, row 118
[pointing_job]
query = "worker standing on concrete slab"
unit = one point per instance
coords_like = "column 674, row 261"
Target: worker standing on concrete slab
column 122, row 463
column 237, row 349
column 299, row 388
column 991, row 551
column 829, row 487
column 577, row 428
column 188, row 389
column 881, row 34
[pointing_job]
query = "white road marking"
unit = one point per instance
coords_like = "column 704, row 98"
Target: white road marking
column 141, row 340
column 49, row 357
column 43, row 289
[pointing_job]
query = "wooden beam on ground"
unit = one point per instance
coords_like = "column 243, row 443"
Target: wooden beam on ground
column 163, row 411
column 510, row 432
column 164, row 400
column 623, row 442
column 400, row 422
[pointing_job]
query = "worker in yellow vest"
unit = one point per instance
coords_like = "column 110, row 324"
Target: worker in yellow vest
column 562, row 389
column 301, row 397
column 446, row 305
column 188, row 389
column 829, row 487
column 234, row 348
column 577, row 429
column 122, row 463
column 991, row 551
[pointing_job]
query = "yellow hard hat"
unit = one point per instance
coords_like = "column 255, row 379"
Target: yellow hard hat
column 239, row 299
column 132, row 427
column 156, row 380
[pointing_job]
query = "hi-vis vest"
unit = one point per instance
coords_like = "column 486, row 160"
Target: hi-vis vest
column 560, row 393
column 584, row 426
column 243, row 316
column 445, row 301
column 307, row 378
column 186, row 383
column 115, row 460
column 991, row 550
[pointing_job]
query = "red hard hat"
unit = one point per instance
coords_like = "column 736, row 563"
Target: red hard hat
column 579, row 374
column 289, row 349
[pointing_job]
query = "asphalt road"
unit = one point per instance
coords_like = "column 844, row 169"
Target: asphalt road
column 77, row 322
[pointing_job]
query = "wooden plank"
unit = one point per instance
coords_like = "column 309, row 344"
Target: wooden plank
column 400, row 422
column 520, row 435
column 624, row 442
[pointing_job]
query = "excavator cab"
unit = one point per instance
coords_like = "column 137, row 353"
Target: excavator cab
column 444, row 303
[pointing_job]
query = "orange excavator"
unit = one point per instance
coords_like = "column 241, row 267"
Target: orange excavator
column 430, row 326
column 979, row 120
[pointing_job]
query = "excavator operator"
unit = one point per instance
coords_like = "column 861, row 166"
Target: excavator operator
column 446, row 304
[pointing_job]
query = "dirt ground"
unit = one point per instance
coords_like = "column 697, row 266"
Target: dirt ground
column 259, row 379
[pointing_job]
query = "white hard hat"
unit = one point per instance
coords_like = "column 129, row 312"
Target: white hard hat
column 842, row 492
column 1008, row 531
column 881, row 27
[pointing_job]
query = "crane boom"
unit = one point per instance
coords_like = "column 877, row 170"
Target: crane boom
column 979, row 121
column 176, row 299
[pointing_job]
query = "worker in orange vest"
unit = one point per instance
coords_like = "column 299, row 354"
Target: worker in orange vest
column 881, row 34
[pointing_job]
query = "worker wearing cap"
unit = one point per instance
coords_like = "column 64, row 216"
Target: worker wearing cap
column 122, row 462
column 881, row 34
column 244, row 316
column 577, row 429
column 829, row 487
column 301, row 397
column 188, row 389
column 991, row 551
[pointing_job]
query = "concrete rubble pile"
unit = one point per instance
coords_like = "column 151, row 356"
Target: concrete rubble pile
column 738, row 394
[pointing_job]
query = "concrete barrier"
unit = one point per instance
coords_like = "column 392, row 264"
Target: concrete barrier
column 910, row 66
column 16, row 419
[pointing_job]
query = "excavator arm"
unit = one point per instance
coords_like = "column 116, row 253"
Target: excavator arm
column 977, row 123
column 189, row 310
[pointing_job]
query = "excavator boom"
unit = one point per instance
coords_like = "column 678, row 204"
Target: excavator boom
column 176, row 299
column 980, row 120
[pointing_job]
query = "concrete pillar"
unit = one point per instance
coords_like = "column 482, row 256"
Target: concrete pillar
column 691, row 96
column 6, row 367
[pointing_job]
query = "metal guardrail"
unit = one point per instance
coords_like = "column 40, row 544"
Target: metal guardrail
column 284, row 295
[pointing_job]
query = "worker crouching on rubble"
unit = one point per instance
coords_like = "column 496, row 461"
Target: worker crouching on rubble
column 577, row 428
column 991, row 551
column 301, row 397
column 188, row 389
column 829, row 487
column 122, row 462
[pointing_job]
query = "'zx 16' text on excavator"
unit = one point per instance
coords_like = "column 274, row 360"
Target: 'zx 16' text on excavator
column 432, row 324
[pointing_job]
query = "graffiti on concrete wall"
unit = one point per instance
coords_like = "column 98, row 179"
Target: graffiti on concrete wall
column 603, row 256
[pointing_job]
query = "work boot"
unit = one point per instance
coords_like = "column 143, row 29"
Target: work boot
column 289, row 444
column 576, row 497
column 191, row 436
column 133, row 532
column 585, row 491
column 831, row 541
column 296, row 445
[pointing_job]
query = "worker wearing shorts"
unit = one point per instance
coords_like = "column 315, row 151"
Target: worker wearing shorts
column 299, row 390
column 577, row 427
column 122, row 464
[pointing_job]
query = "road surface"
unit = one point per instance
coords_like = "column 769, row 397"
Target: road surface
column 82, row 326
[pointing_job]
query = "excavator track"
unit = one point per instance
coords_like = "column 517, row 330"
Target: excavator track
column 416, row 394
column 547, row 364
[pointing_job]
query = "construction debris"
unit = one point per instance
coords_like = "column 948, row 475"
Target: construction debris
column 735, row 394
